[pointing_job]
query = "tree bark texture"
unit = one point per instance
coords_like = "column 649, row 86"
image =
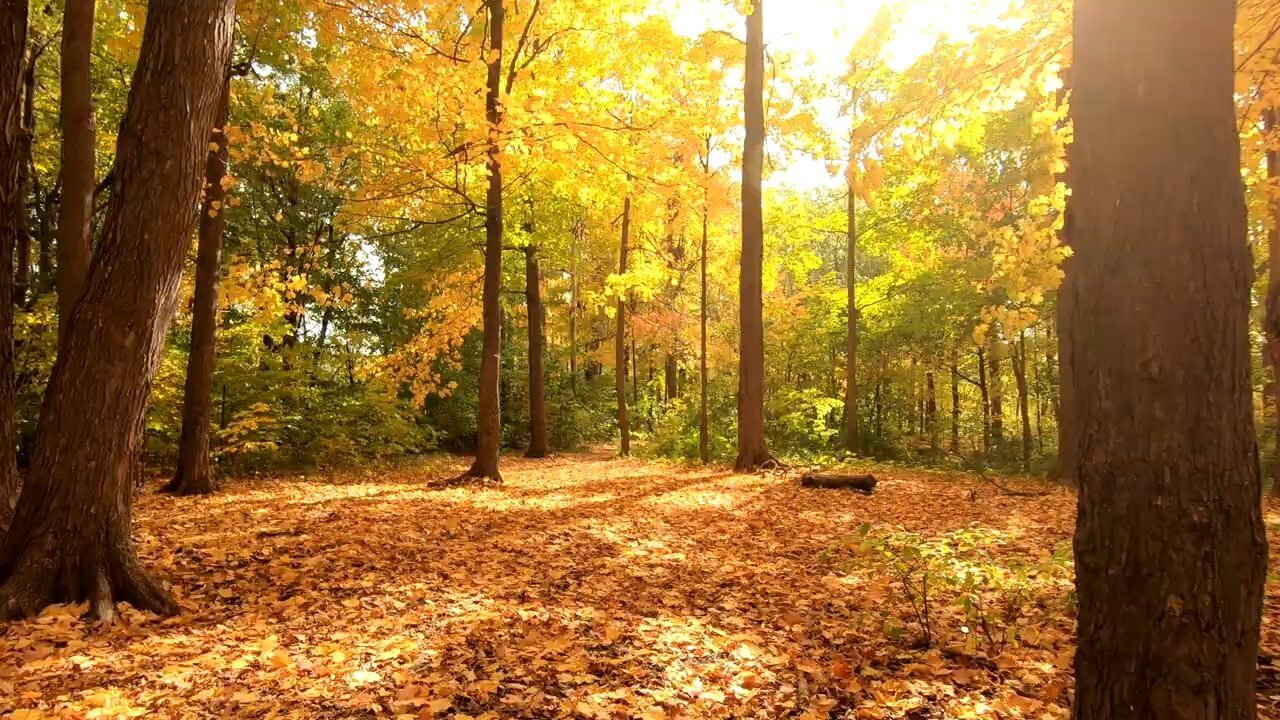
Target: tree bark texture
column 1271, row 320
column 620, row 339
column 79, row 158
column 489, row 420
column 752, row 451
column 22, row 275
column 1169, row 544
column 192, row 476
column 13, row 43
column 70, row 538
column 537, row 337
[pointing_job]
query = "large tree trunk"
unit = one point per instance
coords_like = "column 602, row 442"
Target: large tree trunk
column 1271, row 320
column 13, row 42
column 1024, row 411
column 192, row 476
column 537, row 335
column 78, row 159
column 752, row 451
column 1169, row 545
column 851, row 332
column 704, row 448
column 489, row 420
column 70, row 538
column 620, row 339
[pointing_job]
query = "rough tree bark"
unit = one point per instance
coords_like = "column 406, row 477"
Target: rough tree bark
column 13, row 42
column 79, row 159
column 537, row 336
column 192, row 476
column 70, row 538
column 1169, row 545
column 620, row 339
column 489, row 425
column 752, row 451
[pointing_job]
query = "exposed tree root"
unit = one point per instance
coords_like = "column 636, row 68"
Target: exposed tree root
column 181, row 486
column 763, row 462
column 466, row 480
column 33, row 586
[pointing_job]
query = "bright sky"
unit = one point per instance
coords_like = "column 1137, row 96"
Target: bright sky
column 826, row 30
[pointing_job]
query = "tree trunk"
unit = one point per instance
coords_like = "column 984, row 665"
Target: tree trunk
column 537, row 336
column 192, row 476
column 620, row 345
column 671, row 377
column 573, row 308
column 489, row 421
column 22, row 277
column 13, row 43
column 879, row 407
column 78, row 158
column 704, row 448
column 752, row 451
column 70, row 539
column 1272, row 317
column 986, row 402
column 44, row 254
column 955, row 400
column 931, row 410
column 1169, row 547
column 995, row 386
column 851, row 332
column 1024, row 411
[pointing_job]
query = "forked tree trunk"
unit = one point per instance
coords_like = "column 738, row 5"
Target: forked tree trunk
column 13, row 42
column 851, row 332
column 192, row 476
column 752, row 451
column 78, row 158
column 537, row 336
column 489, row 420
column 1170, row 549
column 70, row 538
column 620, row 339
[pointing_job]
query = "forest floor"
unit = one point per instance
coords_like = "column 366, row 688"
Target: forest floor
column 586, row 587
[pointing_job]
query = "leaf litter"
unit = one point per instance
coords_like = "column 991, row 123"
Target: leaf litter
column 587, row 587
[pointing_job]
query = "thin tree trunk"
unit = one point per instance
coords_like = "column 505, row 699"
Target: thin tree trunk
column 851, row 332
column 1024, row 412
column 670, row 377
column 986, row 401
column 13, row 42
column 573, row 308
column 70, row 538
column 1170, row 550
column 955, row 400
column 620, row 345
column 752, row 450
column 995, row 385
column 931, row 409
column 44, row 254
column 704, row 448
column 879, row 408
column 26, row 174
column 79, row 155
column 489, row 421
column 537, row 335
column 1272, row 317
column 192, row 476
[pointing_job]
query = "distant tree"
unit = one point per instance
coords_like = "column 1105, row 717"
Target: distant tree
column 1169, row 546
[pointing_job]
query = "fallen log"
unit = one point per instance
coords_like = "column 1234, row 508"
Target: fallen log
column 862, row 483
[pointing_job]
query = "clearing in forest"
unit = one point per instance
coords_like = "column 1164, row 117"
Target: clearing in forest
column 586, row 587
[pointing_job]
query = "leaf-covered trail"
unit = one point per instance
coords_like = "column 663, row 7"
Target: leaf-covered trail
column 586, row 587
